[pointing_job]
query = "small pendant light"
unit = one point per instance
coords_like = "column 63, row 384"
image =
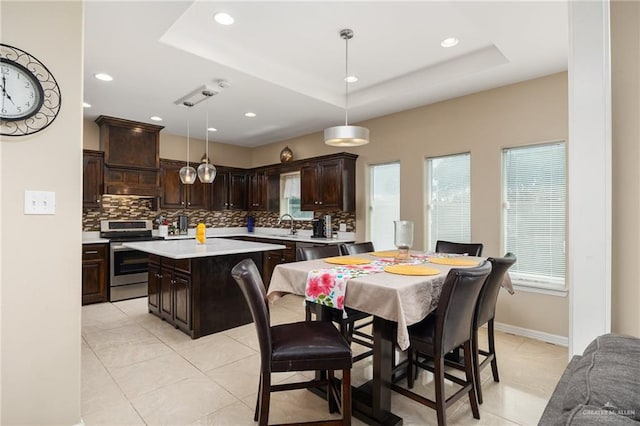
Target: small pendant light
column 207, row 171
column 346, row 135
column 188, row 173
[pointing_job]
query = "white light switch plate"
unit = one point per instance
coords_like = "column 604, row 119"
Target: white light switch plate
column 39, row 202
column 343, row 227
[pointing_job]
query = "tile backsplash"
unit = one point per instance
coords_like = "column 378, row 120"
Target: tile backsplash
column 132, row 207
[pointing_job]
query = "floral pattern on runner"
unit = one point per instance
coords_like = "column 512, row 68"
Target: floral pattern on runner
column 328, row 286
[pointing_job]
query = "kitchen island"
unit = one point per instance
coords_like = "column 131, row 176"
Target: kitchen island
column 190, row 284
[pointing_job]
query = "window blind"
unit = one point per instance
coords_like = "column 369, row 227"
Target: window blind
column 449, row 198
column 534, row 201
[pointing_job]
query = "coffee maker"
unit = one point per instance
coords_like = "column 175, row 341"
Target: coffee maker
column 318, row 228
column 183, row 224
column 322, row 228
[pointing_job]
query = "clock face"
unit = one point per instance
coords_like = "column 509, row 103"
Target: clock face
column 30, row 97
column 22, row 94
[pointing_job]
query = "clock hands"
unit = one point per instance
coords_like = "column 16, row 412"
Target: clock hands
column 4, row 91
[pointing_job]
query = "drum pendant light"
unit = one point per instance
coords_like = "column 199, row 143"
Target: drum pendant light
column 188, row 173
column 346, row 135
column 207, row 171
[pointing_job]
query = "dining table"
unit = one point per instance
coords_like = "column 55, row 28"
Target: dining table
column 395, row 301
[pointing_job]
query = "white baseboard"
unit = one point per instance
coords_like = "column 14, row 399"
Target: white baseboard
column 533, row 334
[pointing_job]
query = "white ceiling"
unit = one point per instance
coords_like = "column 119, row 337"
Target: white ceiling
column 285, row 61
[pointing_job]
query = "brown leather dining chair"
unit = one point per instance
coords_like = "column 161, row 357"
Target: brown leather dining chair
column 485, row 314
column 298, row 346
column 347, row 325
column 471, row 249
column 356, row 248
column 448, row 327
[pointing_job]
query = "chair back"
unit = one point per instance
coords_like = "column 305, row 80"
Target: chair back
column 320, row 252
column 486, row 308
column 248, row 278
column 472, row 249
column 356, row 248
column 456, row 307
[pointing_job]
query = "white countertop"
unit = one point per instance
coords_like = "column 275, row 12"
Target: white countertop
column 93, row 237
column 189, row 248
column 268, row 233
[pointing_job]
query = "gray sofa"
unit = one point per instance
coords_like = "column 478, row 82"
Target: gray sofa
column 601, row 387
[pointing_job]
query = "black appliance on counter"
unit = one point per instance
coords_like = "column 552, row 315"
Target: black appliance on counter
column 318, row 228
column 128, row 268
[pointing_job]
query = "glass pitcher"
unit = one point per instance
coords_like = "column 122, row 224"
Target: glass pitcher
column 403, row 238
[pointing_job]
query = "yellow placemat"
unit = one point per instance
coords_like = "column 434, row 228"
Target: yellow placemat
column 453, row 261
column 390, row 253
column 347, row 260
column 411, row 270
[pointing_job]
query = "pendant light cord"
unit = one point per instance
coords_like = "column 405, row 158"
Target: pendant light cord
column 346, row 81
column 187, row 142
column 206, row 150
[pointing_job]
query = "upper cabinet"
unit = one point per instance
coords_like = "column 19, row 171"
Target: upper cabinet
column 92, row 165
column 176, row 195
column 229, row 189
column 258, row 190
column 328, row 183
column 131, row 156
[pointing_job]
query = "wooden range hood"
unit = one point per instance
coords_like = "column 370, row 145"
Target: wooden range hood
column 131, row 156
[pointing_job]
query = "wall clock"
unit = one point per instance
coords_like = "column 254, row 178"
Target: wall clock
column 30, row 97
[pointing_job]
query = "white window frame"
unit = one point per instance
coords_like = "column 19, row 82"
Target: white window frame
column 370, row 201
column 283, row 177
column 428, row 193
column 533, row 282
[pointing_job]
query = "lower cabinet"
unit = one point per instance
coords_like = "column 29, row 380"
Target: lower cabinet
column 170, row 291
column 198, row 295
column 94, row 273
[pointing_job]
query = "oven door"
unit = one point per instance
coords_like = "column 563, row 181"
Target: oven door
column 128, row 266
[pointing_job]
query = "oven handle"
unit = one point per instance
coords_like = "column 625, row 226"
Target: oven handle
column 120, row 247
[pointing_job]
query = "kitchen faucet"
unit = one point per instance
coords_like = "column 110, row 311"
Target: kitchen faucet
column 293, row 226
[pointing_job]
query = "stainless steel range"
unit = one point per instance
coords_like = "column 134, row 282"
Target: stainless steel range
column 127, row 267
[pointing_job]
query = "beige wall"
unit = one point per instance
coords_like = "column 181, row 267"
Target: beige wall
column 174, row 147
column 625, row 55
column 41, row 255
column 531, row 112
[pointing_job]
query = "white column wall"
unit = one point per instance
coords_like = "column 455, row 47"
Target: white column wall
column 589, row 173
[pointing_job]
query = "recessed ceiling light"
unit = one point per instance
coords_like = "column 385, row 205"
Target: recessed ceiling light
column 212, row 129
column 86, row 105
column 250, row 114
column 449, row 42
column 156, row 118
column 102, row 76
column 223, row 18
column 351, row 79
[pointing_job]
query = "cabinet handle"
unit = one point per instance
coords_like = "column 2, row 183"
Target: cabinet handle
column 319, row 202
column 189, row 203
column 98, row 200
column 231, row 204
column 91, row 252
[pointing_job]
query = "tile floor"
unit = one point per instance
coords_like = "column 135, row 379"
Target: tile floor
column 136, row 369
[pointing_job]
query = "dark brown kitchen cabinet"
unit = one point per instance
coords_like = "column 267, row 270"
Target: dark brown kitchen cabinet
column 154, row 285
column 170, row 291
column 92, row 171
column 198, row 295
column 94, row 273
column 176, row 195
column 229, row 189
column 131, row 156
column 328, row 183
column 258, row 190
